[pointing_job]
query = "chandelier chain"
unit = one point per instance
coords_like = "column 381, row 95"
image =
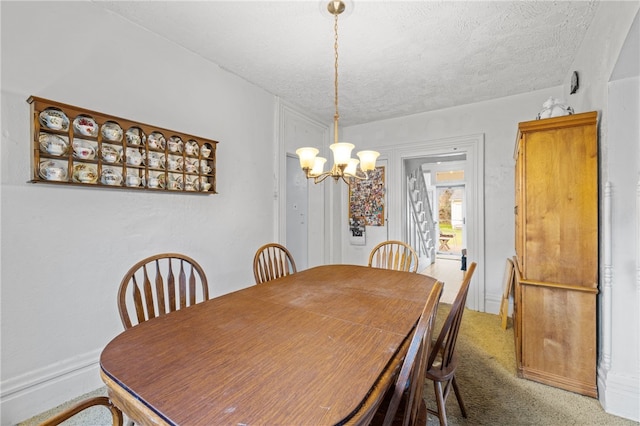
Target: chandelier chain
column 344, row 167
column 335, row 47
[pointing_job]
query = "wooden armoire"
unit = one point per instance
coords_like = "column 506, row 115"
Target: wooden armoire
column 556, row 224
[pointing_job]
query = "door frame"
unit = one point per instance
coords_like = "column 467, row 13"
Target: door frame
column 473, row 146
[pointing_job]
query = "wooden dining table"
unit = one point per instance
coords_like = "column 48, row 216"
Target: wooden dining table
column 310, row 348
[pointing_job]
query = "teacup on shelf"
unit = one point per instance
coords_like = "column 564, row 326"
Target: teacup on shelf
column 134, row 158
column 155, row 160
column 174, row 144
column 110, row 154
column 133, row 180
column 112, row 131
column 156, row 141
column 56, row 146
column 191, row 148
column 204, row 184
column 55, row 173
column 84, row 152
column 205, row 151
column 111, row 177
column 154, row 182
column 86, row 176
column 135, row 136
column 85, row 125
column 54, row 119
column 53, row 122
column 174, row 163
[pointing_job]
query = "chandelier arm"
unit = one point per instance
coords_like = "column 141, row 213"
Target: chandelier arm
column 321, row 177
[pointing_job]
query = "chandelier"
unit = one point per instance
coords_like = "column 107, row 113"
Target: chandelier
column 344, row 167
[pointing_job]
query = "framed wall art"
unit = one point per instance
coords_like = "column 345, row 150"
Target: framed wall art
column 367, row 198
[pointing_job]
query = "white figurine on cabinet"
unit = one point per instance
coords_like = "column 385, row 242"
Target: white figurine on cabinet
column 554, row 108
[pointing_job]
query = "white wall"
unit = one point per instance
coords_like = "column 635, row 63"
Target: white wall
column 65, row 249
column 618, row 381
column 497, row 120
column 619, row 369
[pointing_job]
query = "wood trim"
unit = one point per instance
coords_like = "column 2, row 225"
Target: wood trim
column 555, row 380
column 570, row 287
column 574, row 120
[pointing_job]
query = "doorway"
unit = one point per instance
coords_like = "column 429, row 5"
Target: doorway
column 451, row 216
column 445, row 152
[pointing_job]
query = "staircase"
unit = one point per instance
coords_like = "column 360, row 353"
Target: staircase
column 421, row 227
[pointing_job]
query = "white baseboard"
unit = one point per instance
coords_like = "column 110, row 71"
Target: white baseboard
column 492, row 304
column 619, row 395
column 32, row 393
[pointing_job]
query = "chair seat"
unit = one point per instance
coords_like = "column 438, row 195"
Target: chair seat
column 440, row 373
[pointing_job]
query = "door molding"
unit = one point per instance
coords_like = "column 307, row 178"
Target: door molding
column 292, row 130
column 473, row 146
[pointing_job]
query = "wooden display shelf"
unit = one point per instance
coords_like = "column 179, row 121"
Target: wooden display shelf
column 114, row 152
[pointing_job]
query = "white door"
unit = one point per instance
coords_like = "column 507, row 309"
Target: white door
column 296, row 214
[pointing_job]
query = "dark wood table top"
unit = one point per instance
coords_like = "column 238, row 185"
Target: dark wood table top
column 303, row 349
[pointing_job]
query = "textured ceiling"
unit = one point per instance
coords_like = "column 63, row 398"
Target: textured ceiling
column 395, row 57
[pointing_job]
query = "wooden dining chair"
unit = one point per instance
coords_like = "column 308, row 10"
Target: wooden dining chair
column 394, row 255
column 389, row 406
column 116, row 414
column 272, row 261
column 443, row 360
column 158, row 285
column 406, row 406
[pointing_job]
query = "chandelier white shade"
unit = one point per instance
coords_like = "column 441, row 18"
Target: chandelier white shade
column 344, row 167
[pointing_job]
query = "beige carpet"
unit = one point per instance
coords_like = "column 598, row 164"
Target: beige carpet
column 491, row 391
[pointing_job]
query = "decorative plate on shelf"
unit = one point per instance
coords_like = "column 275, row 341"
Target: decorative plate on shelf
column 53, row 170
column 112, row 131
column 53, row 144
column 85, row 125
column 85, row 173
column 55, row 119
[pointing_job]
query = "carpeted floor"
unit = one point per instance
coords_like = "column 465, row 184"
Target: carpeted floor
column 492, row 393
